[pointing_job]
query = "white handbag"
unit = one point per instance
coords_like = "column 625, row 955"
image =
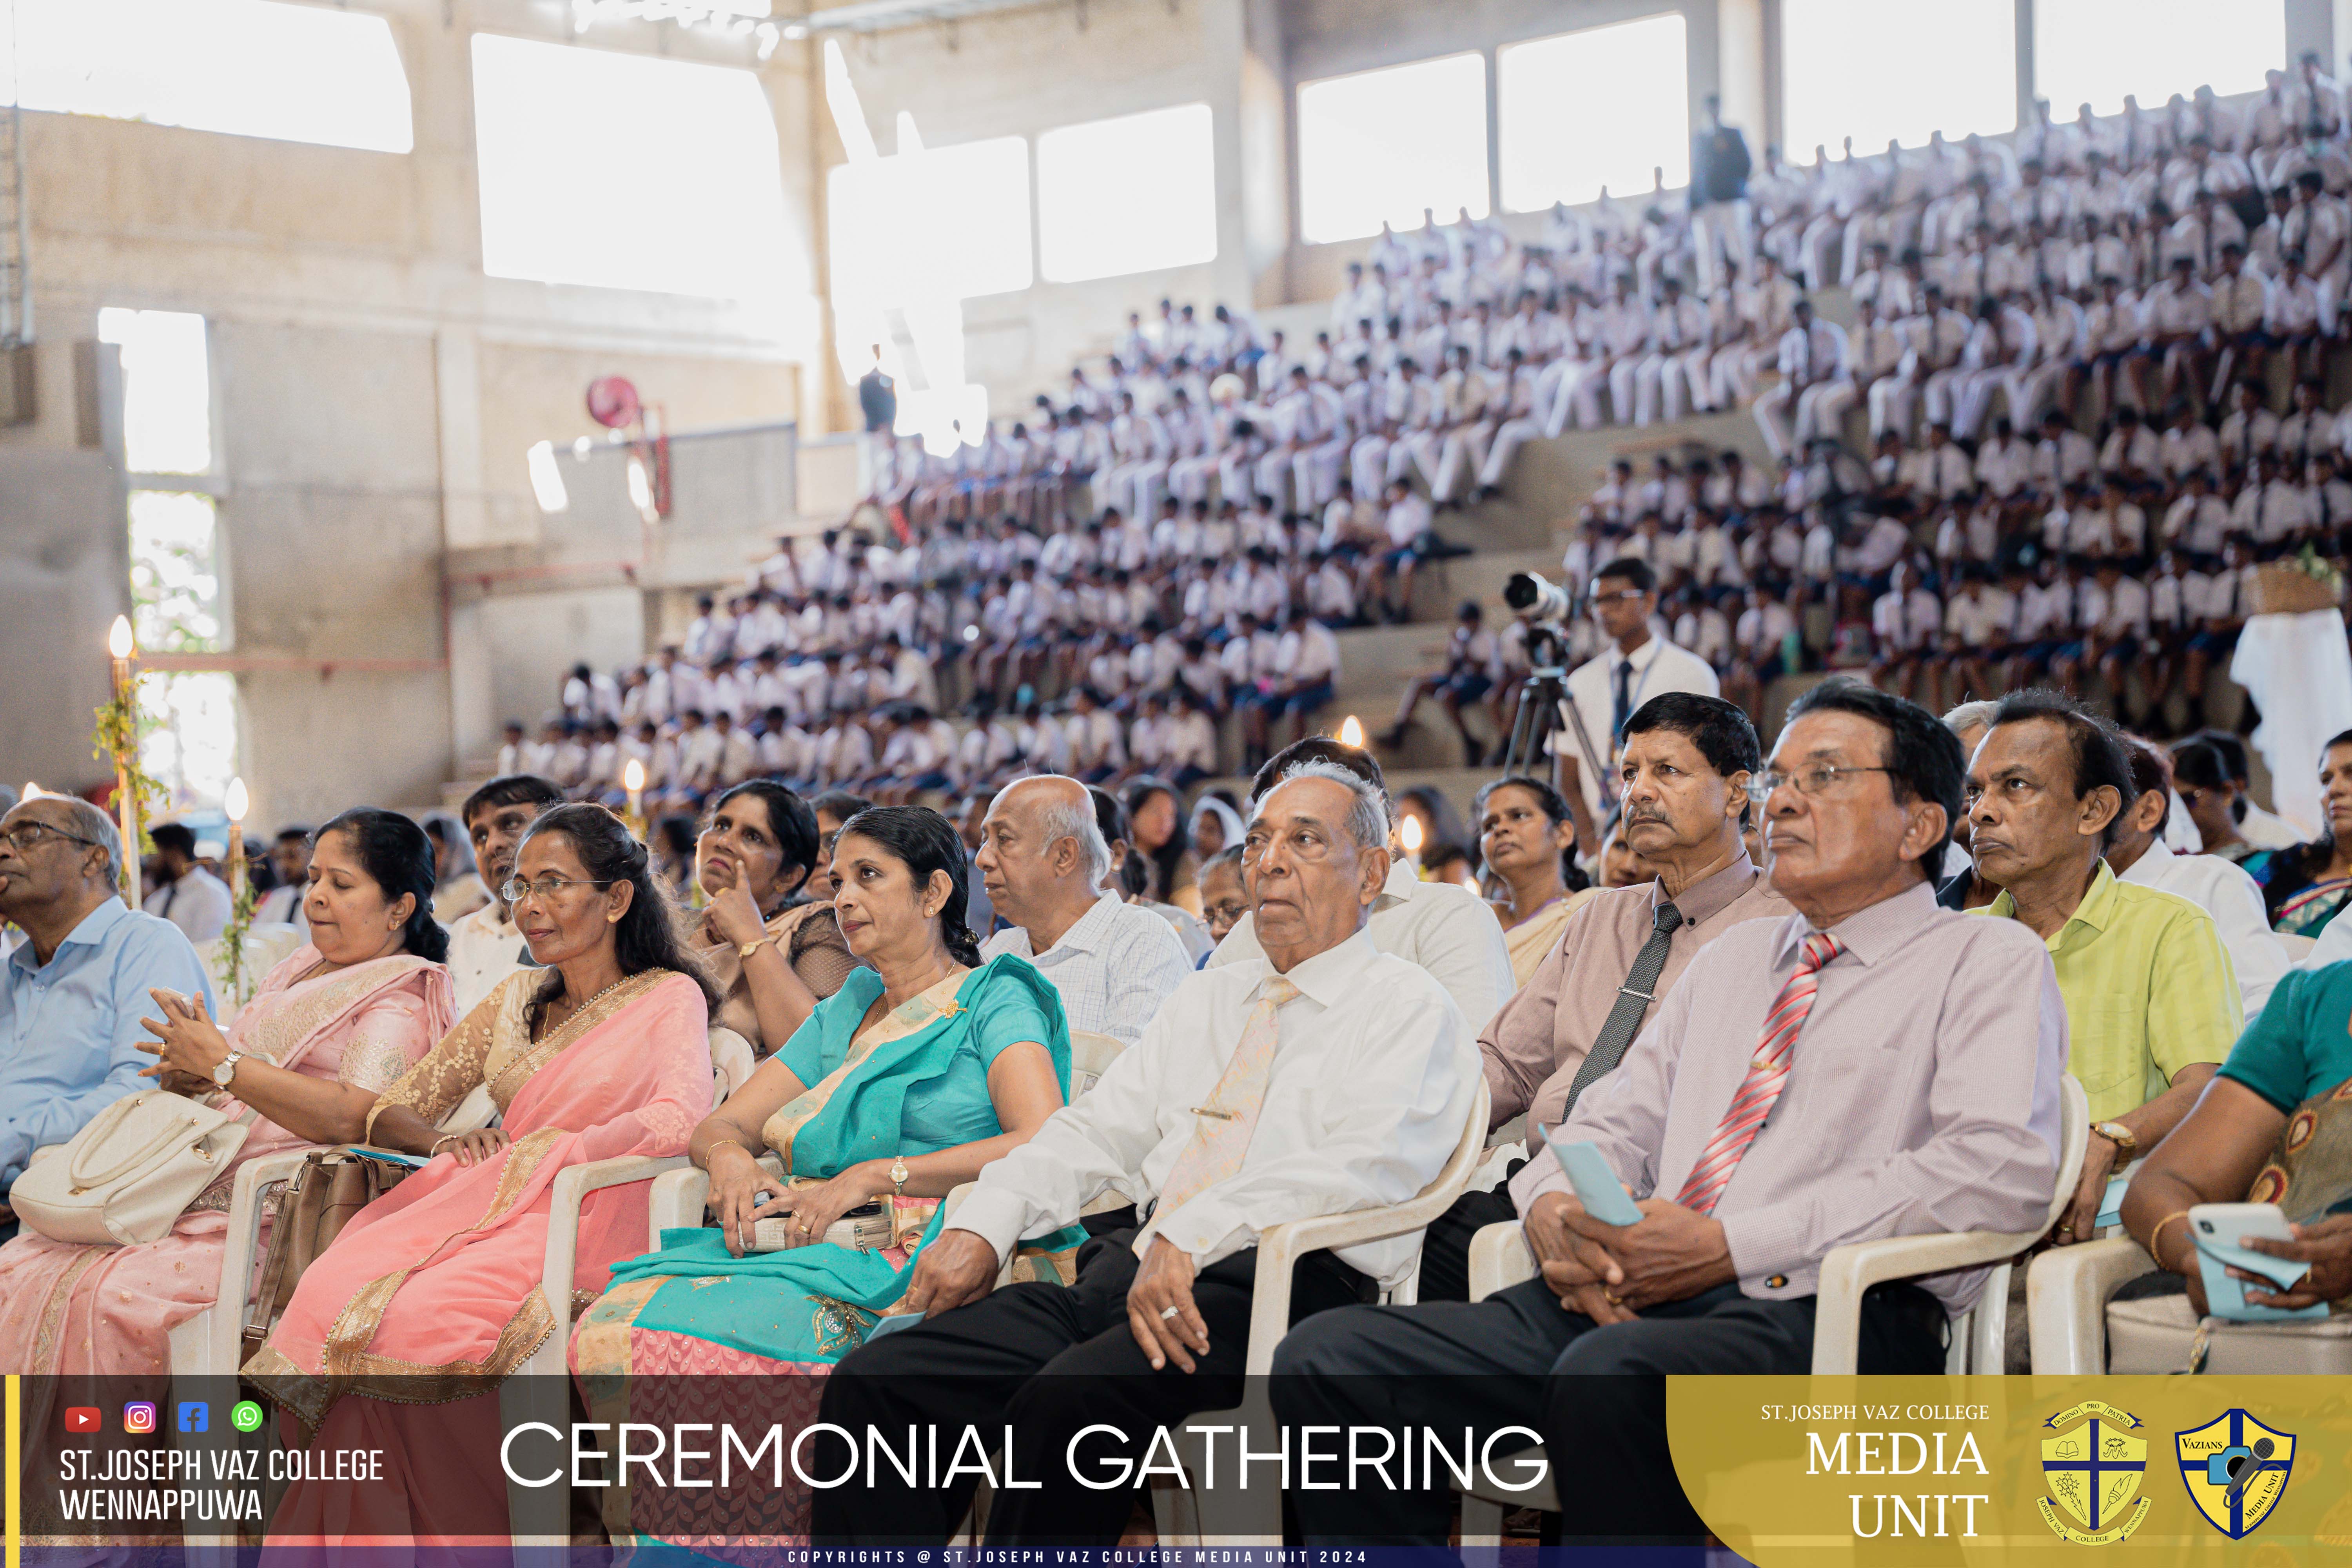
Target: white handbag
column 130, row 1173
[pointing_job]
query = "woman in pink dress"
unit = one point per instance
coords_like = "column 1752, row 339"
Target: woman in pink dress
column 333, row 1026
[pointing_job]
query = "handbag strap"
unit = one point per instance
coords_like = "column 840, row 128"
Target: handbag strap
column 102, row 1129
column 281, row 1248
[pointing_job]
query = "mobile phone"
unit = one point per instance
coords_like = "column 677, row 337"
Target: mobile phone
column 1596, row 1187
column 890, row 1323
column 2221, row 1232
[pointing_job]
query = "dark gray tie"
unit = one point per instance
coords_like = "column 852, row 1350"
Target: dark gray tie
column 1634, row 999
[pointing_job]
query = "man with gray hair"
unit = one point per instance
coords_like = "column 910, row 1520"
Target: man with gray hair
column 1324, row 1078
column 1043, row 861
column 78, row 985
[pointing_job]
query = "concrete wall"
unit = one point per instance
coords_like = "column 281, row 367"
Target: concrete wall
column 62, row 582
column 376, row 390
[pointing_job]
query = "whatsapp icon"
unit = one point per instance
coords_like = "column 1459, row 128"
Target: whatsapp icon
column 245, row 1416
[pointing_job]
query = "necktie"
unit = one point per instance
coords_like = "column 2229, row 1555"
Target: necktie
column 1622, row 704
column 1222, row 1128
column 1634, row 999
column 1767, row 1074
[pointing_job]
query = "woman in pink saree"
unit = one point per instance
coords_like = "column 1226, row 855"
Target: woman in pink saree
column 333, row 1026
column 432, row 1294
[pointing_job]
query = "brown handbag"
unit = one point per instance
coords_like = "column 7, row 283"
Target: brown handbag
column 332, row 1185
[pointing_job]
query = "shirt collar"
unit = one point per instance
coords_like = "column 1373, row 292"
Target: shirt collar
column 1641, row 658
column 2150, row 869
column 1329, row 977
column 1870, row 935
column 1401, row 886
column 2096, row 911
column 1090, row 930
column 1710, row 896
column 90, row 931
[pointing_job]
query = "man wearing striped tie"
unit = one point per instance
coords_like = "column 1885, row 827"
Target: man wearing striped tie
column 1871, row 1066
column 1320, row 1077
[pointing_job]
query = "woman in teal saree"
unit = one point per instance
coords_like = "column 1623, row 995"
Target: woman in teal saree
column 920, row 1070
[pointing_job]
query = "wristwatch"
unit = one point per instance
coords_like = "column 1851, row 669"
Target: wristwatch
column 748, row 948
column 2119, row 1134
column 227, row 1069
column 899, row 1175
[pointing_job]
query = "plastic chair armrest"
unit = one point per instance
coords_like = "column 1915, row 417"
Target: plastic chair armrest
column 571, row 1189
column 2066, row 1294
column 1499, row 1258
column 1849, row 1270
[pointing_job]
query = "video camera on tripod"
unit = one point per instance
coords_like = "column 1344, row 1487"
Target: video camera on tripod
column 1545, row 709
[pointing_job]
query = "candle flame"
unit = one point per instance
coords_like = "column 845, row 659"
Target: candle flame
column 1351, row 732
column 119, row 641
column 235, row 801
column 32, row 790
column 633, row 775
column 1408, row 831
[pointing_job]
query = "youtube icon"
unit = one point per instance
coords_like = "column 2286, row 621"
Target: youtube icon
column 83, row 1418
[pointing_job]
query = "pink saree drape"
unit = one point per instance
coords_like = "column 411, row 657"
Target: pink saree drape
column 433, row 1293
column 71, row 1309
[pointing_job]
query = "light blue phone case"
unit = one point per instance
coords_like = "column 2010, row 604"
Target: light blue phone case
column 2226, row 1297
column 1597, row 1186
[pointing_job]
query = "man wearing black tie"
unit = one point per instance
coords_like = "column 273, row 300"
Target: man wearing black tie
column 1637, row 664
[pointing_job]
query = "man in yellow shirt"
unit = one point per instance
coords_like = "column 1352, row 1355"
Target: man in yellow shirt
column 2152, row 1004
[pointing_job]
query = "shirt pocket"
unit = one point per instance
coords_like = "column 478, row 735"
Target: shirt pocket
column 2106, row 1047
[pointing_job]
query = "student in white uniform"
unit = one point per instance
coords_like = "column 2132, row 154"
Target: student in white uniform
column 1812, row 361
column 1634, row 665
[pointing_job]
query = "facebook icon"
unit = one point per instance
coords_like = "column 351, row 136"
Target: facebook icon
column 194, row 1415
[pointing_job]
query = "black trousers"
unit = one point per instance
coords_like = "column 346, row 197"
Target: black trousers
column 1050, row 1362
column 1597, row 1394
column 1445, row 1246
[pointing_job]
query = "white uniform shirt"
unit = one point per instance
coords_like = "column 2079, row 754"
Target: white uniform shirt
column 1446, row 929
column 1372, row 1082
column 2223, row 890
column 1113, row 968
column 484, row 948
column 198, row 903
column 1659, row 667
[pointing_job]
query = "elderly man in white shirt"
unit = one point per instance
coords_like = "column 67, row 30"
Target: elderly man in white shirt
column 1043, row 861
column 484, row 948
column 1323, row 1077
column 1446, row 929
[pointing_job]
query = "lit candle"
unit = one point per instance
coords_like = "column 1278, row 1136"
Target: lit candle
column 1409, row 834
column 32, row 790
column 1351, row 732
column 632, row 779
column 235, row 804
column 123, row 649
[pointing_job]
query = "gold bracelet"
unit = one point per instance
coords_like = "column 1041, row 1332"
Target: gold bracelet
column 449, row 1138
column 2156, row 1239
column 717, row 1144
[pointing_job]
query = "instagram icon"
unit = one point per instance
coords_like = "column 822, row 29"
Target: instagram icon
column 139, row 1416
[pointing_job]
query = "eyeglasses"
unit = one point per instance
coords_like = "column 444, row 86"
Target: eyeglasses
column 1810, row 782
column 24, row 836
column 1623, row 597
column 546, row 888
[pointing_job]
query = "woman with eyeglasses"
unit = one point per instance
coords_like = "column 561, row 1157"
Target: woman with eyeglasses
column 333, row 1026
column 921, row 1070
column 773, row 953
column 432, row 1294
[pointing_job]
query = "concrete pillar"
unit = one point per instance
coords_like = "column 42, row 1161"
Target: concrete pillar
column 1242, row 49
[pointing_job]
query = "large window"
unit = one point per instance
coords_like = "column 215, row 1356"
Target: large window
column 626, row 172
column 1874, row 72
column 250, row 68
column 190, row 743
column 1130, row 194
column 2095, row 51
column 1382, row 145
column 1609, row 106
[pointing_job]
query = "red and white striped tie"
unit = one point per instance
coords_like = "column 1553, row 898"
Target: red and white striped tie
column 1767, row 1074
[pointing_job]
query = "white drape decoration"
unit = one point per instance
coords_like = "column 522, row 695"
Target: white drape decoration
column 2299, row 670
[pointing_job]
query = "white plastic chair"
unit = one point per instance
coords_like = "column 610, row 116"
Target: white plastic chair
column 1236, row 1517
column 1499, row 1257
column 1090, row 1058
column 266, row 946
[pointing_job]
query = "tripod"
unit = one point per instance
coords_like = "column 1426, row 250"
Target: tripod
column 1546, row 712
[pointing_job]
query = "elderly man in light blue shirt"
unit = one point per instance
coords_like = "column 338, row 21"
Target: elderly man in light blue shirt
column 77, row 987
